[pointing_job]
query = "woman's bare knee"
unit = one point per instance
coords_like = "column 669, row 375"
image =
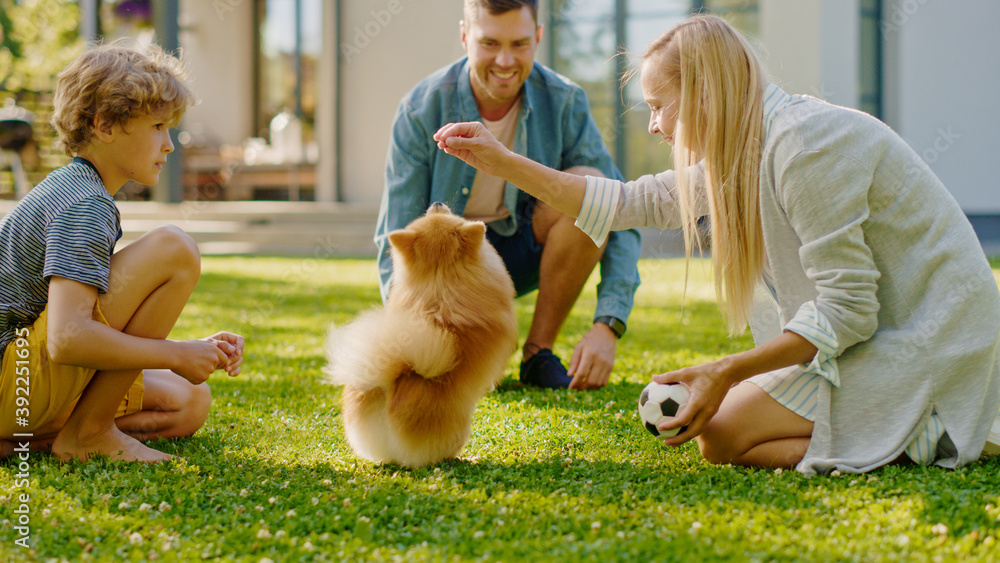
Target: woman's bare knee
column 717, row 446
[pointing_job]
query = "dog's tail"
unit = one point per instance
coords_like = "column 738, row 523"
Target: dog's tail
column 378, row 346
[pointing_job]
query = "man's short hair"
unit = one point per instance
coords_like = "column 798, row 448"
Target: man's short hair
column 497, row 7
column 119, row 81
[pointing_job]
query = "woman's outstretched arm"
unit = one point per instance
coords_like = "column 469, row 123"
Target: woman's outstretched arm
column 472, row 143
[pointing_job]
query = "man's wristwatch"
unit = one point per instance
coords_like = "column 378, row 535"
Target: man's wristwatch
column 616, row 326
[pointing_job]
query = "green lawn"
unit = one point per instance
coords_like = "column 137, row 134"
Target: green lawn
column 547, row 476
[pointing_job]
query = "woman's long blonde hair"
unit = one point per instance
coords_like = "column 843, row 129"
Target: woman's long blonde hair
column 721, row 120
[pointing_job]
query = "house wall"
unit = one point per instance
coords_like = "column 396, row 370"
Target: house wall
column 386, row 47
column 217, row 39
column 941, row 89
column 819, row 54
column 938, row 85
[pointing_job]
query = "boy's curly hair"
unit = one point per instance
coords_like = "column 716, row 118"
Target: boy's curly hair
column 118, row 80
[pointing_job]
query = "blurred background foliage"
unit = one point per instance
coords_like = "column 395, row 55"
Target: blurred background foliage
column 38, row 38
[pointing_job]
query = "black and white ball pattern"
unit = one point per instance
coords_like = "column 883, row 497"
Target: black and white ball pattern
column 660, row 402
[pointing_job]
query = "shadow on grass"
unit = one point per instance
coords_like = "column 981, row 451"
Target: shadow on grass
column 526, row 505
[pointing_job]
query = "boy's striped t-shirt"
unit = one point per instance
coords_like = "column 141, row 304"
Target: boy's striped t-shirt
column 67, row 226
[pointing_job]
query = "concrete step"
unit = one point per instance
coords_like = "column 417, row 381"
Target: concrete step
column 257, row 227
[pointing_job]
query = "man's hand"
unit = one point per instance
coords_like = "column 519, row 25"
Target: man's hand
column 593, row 358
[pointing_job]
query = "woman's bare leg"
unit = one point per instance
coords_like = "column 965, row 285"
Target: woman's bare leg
column 753, row 429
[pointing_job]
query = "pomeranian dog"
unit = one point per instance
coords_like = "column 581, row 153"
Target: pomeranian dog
column 414, row 370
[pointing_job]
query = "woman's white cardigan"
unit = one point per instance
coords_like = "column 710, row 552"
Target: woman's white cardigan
column 873, row 261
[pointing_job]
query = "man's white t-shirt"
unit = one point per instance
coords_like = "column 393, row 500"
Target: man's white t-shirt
column 486, row 197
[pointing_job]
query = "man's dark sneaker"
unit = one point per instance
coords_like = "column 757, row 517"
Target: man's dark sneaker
column 545, row 369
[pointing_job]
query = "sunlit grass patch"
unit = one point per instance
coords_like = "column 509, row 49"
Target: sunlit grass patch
column 546, row 475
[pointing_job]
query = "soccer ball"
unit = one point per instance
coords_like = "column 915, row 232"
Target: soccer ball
column 659, row 402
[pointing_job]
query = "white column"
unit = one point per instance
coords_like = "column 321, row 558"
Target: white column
column 327, row 118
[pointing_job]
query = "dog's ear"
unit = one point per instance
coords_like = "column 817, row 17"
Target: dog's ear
column 402, row 240
column 471, row 235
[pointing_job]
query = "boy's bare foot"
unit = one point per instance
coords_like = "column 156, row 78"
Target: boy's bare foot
column 111, row 442
column 6, row 448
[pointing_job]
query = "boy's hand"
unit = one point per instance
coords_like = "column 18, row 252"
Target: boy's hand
column 198, row 359
column 232, row 346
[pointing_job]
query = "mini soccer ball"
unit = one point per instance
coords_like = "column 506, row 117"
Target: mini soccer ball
column 659, row 402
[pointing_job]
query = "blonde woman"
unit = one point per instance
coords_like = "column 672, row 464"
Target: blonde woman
column 878, row 337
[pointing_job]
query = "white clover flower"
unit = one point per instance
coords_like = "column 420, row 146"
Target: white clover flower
column 135, row 538
column 290, row 514
column 144, row 507
column 263, row 534
column 164, row 506
column 124, row 506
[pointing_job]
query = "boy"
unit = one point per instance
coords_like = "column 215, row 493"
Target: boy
column 79, row 324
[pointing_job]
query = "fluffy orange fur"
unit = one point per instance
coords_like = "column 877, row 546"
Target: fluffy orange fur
column 414, row 370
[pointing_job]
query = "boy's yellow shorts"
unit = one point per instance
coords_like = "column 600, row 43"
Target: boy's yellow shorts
column 48, row 391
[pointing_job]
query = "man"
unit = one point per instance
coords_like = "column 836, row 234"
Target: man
column 543, row 116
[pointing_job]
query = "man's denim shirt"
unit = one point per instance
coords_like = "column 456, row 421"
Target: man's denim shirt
column 554, row 128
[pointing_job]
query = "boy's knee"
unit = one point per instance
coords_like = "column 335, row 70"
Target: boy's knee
column 174, row 244
column 194, row 411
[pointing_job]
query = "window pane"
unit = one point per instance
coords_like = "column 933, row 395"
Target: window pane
column 288, row 62
column 584, row 48
column 647, row 20
column 870, row 67
column 584, row 10
column 583, row 51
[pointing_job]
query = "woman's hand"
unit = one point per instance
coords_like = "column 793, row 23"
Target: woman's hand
column 708, row 384
column 474, row 144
